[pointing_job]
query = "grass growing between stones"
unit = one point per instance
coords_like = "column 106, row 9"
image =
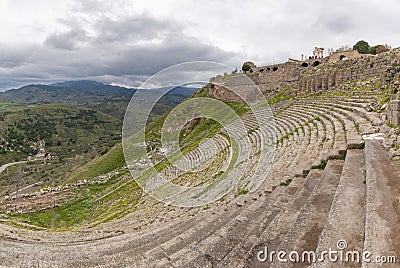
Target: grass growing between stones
column 360, row 146
column 286, row 183
column 357, row 126
column 281, row 96
column 242, row 192
column 322, row 165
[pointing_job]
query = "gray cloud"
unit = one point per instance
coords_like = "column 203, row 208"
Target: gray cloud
column 125, row 42
column 336, row 21
column 66, row 40
column 125, row 51
column 135, row 29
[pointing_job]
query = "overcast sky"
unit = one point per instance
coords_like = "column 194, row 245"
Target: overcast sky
column 124, row 42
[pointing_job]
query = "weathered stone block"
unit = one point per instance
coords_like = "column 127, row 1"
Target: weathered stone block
column 393, row 112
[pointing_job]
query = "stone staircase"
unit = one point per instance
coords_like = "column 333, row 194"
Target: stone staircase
column 322, row 188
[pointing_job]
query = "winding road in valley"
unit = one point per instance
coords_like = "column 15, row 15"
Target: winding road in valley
column 3, row 167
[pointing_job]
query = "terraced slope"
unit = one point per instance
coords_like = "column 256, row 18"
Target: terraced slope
column 315, row 194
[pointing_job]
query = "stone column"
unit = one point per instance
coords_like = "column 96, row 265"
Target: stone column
column 315, row 86
column 331, row 80
column 324, row 82
column 338, row 77
column 319, row 83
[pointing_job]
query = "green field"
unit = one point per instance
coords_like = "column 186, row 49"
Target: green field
column 9, row 106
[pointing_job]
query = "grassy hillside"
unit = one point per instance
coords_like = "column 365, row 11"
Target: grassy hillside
column 67, row 131
column 110, row 161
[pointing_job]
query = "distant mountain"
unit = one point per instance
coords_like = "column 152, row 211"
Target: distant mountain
column 109, row 99
column 106, row 90
column 182, row 91
column 42, row 94
column 96, row 88
column 65, row 92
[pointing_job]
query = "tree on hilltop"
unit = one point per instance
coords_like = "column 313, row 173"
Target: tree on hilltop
column 362, row 47
column 246, row 68
column 372, row 50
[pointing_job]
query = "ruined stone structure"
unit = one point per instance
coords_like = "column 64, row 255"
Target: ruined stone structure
column 340, row 55
column 303, row 203
column 335, row 72
column 267, row 78
column 302, row 75
column 391, row 75
column 318, row 53
column 328, row 153
column 317, row 74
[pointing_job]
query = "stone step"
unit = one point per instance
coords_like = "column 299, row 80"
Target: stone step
column 204, row 229
column 312, row 152
column 280, row 128
column 300, row 118
column 382, row 226
column 346, row 218
column 285, row 125
column 250, row 237
column 298, row 152
column 360, row 116
column 327, row 137
column 215, row 243
column 353, row 137
column 359, row 111
column 276, row 231
column 339, row 146
column 153, row 251
column 292, row 122
column 305, row 232
column 352, row 103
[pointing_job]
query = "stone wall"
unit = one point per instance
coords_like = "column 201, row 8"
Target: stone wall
column 275, row 77
column 223, row 88
column 393, row 110
column 269, row 79
column 343, row 55
column 310, row 76
column 331, row 74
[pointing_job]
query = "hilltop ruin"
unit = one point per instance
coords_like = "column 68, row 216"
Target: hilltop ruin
column 317, row 74
column 331, row 180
